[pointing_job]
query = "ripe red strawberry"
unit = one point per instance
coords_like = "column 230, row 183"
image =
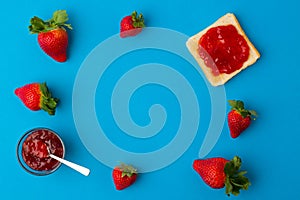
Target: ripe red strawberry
column 239, row 118
column 36, row 96
column 52, row 36
column 124, row 176
column 132, row 25
column 219, row 172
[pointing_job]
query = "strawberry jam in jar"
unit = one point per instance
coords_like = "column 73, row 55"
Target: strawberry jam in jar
column 223, row 49
column 33, row 151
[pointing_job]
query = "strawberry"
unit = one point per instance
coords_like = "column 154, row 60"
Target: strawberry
column 36, row 96
column 132, row 25
column 52, row 36
column 219, row 172
column 239, row 118
column 124, row 176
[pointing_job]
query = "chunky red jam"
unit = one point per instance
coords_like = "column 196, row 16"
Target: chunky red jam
column 223, row 49
column 36, row 148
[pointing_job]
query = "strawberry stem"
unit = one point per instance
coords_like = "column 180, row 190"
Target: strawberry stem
column 238, row 106
column 48, row 103
column 137, row 20
column 37, row 25
column 235, row 179
column 127, row 170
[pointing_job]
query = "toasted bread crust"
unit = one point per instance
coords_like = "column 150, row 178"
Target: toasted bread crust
column 192, row 45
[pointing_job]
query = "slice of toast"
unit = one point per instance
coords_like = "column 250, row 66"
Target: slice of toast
column 222, row 78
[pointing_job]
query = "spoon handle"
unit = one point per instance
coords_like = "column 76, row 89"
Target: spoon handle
column 80, row 169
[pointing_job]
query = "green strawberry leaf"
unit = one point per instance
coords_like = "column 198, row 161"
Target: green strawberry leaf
column 37, row 25
column 240, row 105
column 60, row 17
column 241, row 173
column 253, row 113
column 228, row 186
column 244, row 113
column 235, row 191
column 232, row 103
column 236, row 104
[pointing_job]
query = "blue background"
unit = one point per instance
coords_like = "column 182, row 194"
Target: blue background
column 269, row 148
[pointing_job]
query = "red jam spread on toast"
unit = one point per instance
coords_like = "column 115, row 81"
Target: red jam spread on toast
column 35, row 150
column 223, row 49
